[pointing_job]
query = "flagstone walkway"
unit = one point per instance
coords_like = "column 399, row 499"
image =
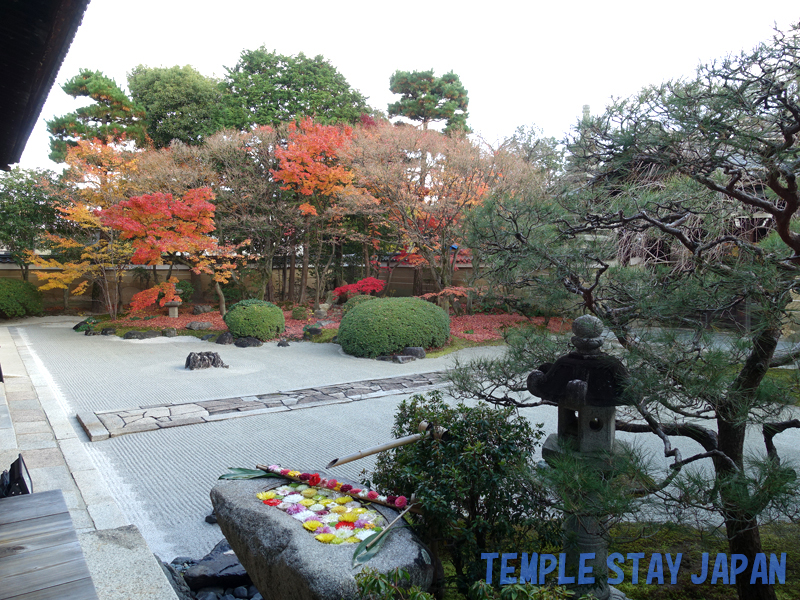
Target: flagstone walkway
column 102, row 425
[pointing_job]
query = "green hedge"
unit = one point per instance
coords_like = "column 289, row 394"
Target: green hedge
column 255, row 318
column 355, row 301
column 19, row 298
column 387, row 325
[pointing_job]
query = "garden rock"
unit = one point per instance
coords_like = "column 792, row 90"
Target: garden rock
column 198, row 325
column 248, row 342
column 203, row 360
column 225, row 338
column 109, row 331
column 283, row 344
column 285, row 561
column 178, row 584
column 207, row 337
column 169, row 332
column 415, row 351
column 220, row 567
column 310, row 332
column 320, row 313
column 91, row 332
column 150, row 334
column 200, row 309
column 402, row 359
column 240, row 592
column 134, row 335
column 84, row 325
column 212, row 518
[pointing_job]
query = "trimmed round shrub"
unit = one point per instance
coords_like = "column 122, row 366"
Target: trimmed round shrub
column 300, row 313
column 355, row 301
column 388, row 325
column 255, row 318
column 19, row 298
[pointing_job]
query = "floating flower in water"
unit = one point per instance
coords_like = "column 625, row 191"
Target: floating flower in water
column 362, row 535
column 292, row 498
column 343, row 500
column 314, row 479
column 338, row 509
column 294, row 508
column 265, row 495
column 325, row 538
column 341, row 524
column 352, row 540
column 309, row 492
column 316, row 507
column 348, row 517
column 272, row 502
column 312, row 525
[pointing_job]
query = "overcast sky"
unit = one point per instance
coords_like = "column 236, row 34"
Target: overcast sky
column 522, row 63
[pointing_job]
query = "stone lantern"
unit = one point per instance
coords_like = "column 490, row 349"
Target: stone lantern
column 587, row 386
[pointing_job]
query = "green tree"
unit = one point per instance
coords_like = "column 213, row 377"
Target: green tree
column 426, row 98
column 670, row 233
column 179, row 102
column 267, row 88
column 28, row 208
column 113, row 117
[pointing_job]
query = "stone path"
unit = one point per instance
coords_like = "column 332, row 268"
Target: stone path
column 102, row 425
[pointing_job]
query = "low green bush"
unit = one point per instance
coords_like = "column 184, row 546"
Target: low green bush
column 300, row 313
column 255, row 318
column 185, row 290
column 475, row 487
column 355, row 301
column 19, row 298
column 388, row 325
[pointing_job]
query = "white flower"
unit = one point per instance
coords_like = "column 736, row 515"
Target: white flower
column 302, row 516
column 365, row 533
column 293, row 498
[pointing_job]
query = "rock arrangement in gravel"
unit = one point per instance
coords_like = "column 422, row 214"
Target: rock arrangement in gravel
column 217, row 576
column 203, row 360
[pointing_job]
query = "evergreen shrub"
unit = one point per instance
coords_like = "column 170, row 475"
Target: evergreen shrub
column 19, row 298
column 355, row 301
column 300, row 313
column 387, row 325
column 255, row 318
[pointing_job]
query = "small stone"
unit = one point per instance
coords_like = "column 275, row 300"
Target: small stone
column 198, row 325
column 257, row 596
column 134, row 335
column 212, row 518
column 252, row 591
column 109, row 331
column 384, row 358
column 225, row 338
column 169, row 332
column 402, row 359
column 206, row 595
column 150, row 334
column 240, row 592
column 320, row 313
column 415, row 351
column 207, row 337
column 248, row 342
column 215, row 589
column 181, row 560
column 200, row 309
column 227, row 597
column 283, row 344
column 91, row 332
column 312, row 331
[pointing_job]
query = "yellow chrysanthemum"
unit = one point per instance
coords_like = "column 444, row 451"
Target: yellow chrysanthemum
column 265, row 495
column 325, row 501
column 359, row 511
column 343, row 500
column 339, row 509
column 369, row 525
column 350, row 517
column 312, row 525
column 293, row 473
column 353, row 540
column 306, row 502
column 309, row 493
column 325, row 538
column 336, row 540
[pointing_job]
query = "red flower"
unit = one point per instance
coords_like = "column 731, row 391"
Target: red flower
column 314, row 479
column 272, row 502
column 346, row 488
column 345, row 524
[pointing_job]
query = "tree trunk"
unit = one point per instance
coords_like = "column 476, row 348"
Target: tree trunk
column 66, row 298
column 155, row 275
column 221, row 298
column 285, row 278
column 25, row 268
column 304, row 270
column 292, row 262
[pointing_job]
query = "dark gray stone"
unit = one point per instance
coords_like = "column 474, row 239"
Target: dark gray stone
column 240, row 592
column 203, row 360
column 216, row 590
column 207, row 336
column 169, row 332
column 134, row 335
column 384, row 358
column 320, row 313
column 83, row 325
column 109, row 331
column 91, row 332
column 225, row 338
column 415, row 351
column 247, row 342
column 178, row 584
column 200, row 309
column 252, row 591
column 207, row 595
column 400, row 358
column 212, row 518
column 150, row 334
column 220, row 567
column 258, row 596
column 182, row 560
column 227, row 597
column 285, row 561
column 283, row 344
column 198, row 325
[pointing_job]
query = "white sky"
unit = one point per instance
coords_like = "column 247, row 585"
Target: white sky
column 522, row 63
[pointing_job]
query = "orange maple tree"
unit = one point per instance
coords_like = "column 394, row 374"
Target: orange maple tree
column 310, row 165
